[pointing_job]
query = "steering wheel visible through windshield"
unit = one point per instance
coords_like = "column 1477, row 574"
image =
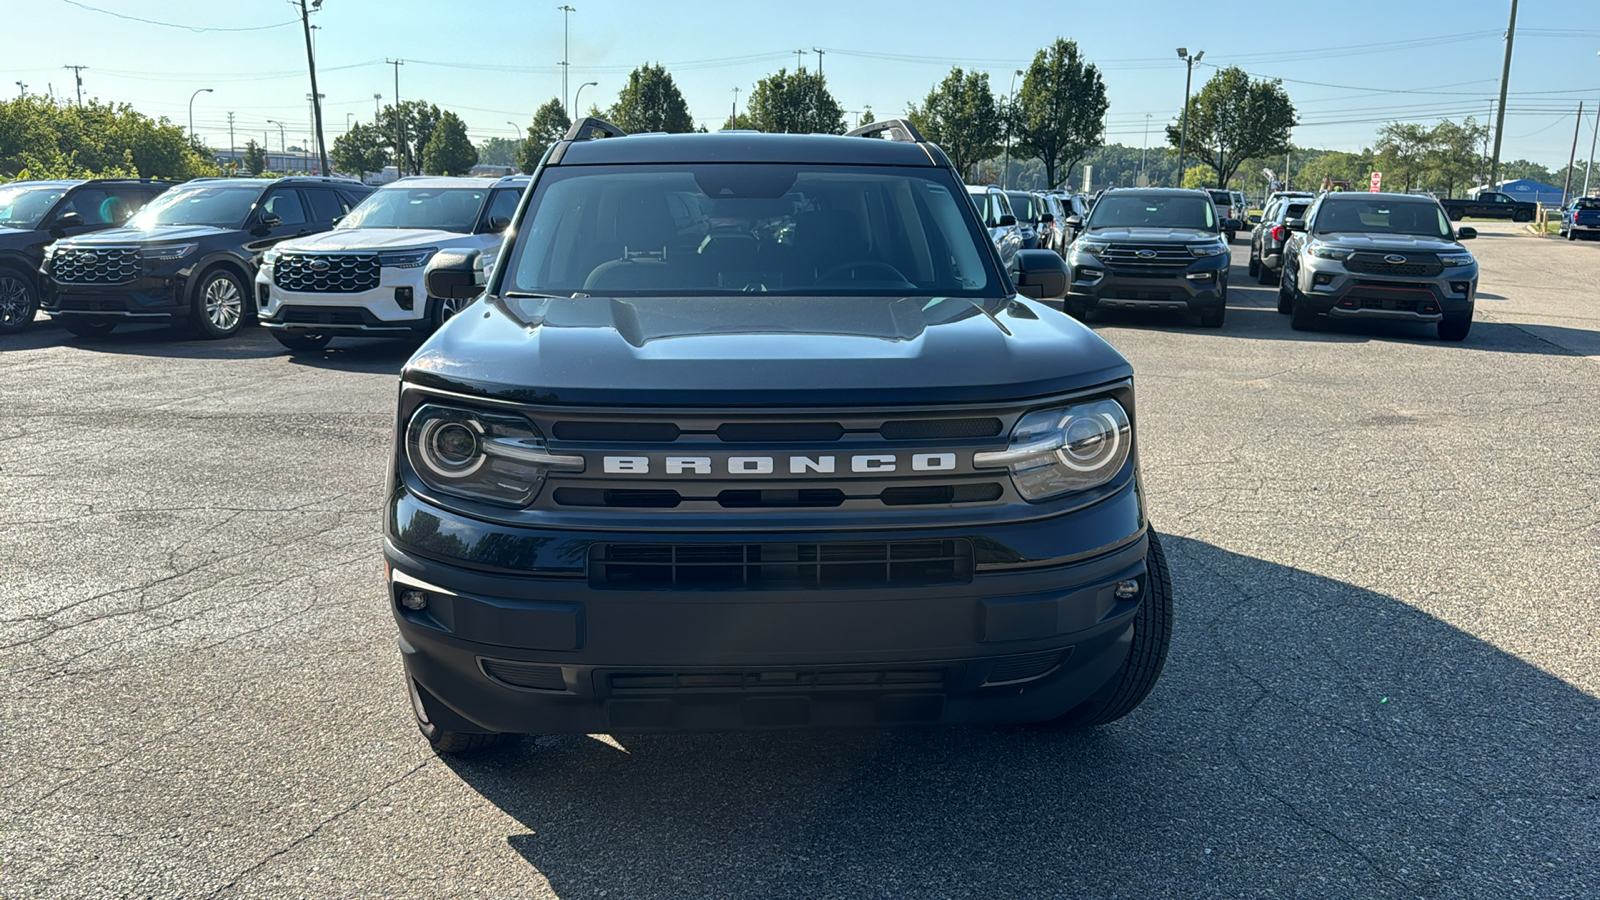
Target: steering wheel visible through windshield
column 774, row 229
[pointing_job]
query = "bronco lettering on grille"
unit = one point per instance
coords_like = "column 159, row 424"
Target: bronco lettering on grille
column 870, row 463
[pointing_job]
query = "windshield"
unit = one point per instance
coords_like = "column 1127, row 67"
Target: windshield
column 442, row 209
column 1124, row 210
column 1586, row 203
column 23, row 206
column 219, row 207
column 780, row 229
column 1383, row 217
column 1222, row 197
column 1022, row 206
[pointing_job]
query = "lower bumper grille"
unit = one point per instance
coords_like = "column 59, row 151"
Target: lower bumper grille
column 525, row 675
column 1414, row 300
column 747, row 567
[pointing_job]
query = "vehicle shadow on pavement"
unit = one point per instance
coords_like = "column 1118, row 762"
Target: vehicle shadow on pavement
column 369, row 355
column 1309, row 738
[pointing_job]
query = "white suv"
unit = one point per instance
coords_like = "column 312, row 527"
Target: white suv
column 365, row 277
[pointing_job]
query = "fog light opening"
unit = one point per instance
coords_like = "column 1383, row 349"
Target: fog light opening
column 403, row 297
column 1127, row 589
column 414, row 600
column 1322, row 278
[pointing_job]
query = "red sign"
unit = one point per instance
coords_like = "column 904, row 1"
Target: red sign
column 1377, row 182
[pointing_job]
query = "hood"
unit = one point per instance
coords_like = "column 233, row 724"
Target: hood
column 13, row 238
column 772, row 351
column 374, row 239
column 160, row 234
column 1366, row 240
column 1151, row 234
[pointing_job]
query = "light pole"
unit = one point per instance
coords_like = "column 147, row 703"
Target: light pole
column 566, row 48
column 191, row 108
column 22, row 91
column 1183, row 129
column 1011, row 107
column 573, row 113
column 1589, row 168
column 1144, row 152
column 283, row 143
column 375, row 99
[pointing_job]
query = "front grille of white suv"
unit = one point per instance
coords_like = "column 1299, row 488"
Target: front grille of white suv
column 326, row 273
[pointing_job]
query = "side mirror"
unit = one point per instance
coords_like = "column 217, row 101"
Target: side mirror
column 454, row 275
column 1074, row 221
column 58, row 228
column 1255, row 219
column 266, row 223
column 498, row 224
column 1295, row 224
column 1232, row 224
column 1047, row 217
column 1041, row 274
column 1466, row 233
column 1006, row 221
column 337, row 219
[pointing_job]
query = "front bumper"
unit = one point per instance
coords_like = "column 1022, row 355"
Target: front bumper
column 1195, row 288
column 149, row 297
column 380, row 310
column 1035, row 630
column 1327, row 287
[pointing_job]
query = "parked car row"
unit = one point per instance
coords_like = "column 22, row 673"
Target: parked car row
column 1038, row 219
column 313, row 257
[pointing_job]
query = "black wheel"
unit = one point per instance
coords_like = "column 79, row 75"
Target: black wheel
column 1572, row 235
column 18, row 301
column 1301, row 318
column 1455, row 215
column 1455, row 328
column 1233, row 236
column 1255, row 263
column 1268, row 275
column 220, row 305
column 445, row 308
column 1152, row 636
column 301, row 341
column 89, row 326
column 1213, row 318
column 1285, row 293
column 1522, row 216
column 441, row 739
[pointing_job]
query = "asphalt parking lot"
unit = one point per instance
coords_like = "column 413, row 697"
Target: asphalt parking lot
column 1385, row 679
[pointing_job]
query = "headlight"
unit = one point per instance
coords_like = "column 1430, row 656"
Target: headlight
column 1092, row 248
column 1456, row 259
column 49, row 252
column 406, row 259
column 481, row 456
column 1214, row 249
column 1322, row 251
column 170, row 251
column 1057, row 451
column 271, row 256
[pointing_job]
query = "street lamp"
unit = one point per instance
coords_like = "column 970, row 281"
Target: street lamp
column 1183, row 129
column 1144, row 152
column 573, row 112
column 283, row 143
column 191, row 108
column 1589, row 168
column 1011, row 102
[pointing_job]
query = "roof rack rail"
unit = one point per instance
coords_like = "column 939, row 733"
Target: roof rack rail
column 889, row 129
column 592, row 127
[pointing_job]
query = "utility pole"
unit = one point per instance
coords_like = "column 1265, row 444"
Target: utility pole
column 1500, row 116
column 316, row 98
column 232, row 148
column 798, row 64
column 1011, row 102
column 1593, row 135
column 1577, row 128
column 77, row 73
column 399, row 120
column 1183, row 129
column 818, row 51
column 566, row 50
column 733, row 117
column 1144, row 152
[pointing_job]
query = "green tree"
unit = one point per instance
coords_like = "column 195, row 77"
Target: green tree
column 449, row 151
column 740, row 122
column 38, row 135
column 362, row 149
column 960, row 115
column 1199, row 176
column 1401, row 154
column 550, row 124
column 1452, row 158
column 498, row 151
column 1334, row 165
column 650, row 101
column 418, row 118
column 1233, row 119
column 254, row 160
column 1060, row 113
column 795, row 104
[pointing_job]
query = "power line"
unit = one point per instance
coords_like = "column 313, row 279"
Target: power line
column 194, row 28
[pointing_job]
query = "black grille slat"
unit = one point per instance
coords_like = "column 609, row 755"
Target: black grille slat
column 322, row 315
column 326, row 273
column 836, row 565
column 933, row 429
column 778, row 432
column 778, row 499
column 1416, row 265
column 1023, row 668
column 759, row 680
column 525, row 675
column 621, row 432
column 1162, row 256
column 116, row 265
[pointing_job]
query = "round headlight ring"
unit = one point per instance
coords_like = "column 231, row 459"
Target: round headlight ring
column 1089, row 441
column 451, row 448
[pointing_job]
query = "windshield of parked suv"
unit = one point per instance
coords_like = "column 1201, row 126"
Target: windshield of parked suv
column 22, row 206
column 444, row 209
column 219, row 207
column 778, row 229
column 1383, row 217
column 1022, row 206
column 1119, row 209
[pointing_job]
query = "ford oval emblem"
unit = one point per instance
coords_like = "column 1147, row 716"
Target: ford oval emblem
column 320, row 265
column 1147, row 254
column 88, row 257
column 1394, row 259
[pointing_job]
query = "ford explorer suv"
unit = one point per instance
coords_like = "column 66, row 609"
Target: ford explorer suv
column 1379, row 256
column 35, row 214
column 1270, row 236
column 364, row 278
column 752, row 431
column 994, row 210
column 1151, row 249
column 190, row 256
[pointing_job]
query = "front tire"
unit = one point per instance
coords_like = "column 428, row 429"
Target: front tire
column 445, row 309
column 301, row 341
column 1522, row 216
column 1152, row 637
column 1572, row 234
column 442, row 740
column 19, row 301
column 1455, row 215
column 1255, row 265
column 220, row 305
column 89, row 326
column 1455, row 328
column 1267, row 275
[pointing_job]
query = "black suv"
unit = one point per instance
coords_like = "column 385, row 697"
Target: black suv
column 1151, row 248
column 752, row 431
column 191, row 255
column 1271, row 235
column 35, row 213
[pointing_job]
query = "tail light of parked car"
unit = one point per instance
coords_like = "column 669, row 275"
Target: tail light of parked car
column 1278, row 232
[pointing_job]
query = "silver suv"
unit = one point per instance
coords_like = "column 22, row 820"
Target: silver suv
column 1378, row 256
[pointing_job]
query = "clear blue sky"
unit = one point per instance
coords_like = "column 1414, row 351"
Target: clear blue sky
column 495, row 61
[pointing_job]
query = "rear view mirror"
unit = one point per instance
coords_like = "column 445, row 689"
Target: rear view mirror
column 454, row 275
column 1041, row 274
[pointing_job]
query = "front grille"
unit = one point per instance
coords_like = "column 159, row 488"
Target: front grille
column 114, row 265
column 779, row 432
column 322, row 315
column 1130, row 294
column 1164, row 256
column 779, row 498
column 1417, row 265
column 711, row 567
column 326, row 273
column 1024, row 668
column 524, row 675
column 1400, row 299
column 769, row 679
column 70, row 303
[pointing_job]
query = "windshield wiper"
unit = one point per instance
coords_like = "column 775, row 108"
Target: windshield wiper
column 537, row 295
